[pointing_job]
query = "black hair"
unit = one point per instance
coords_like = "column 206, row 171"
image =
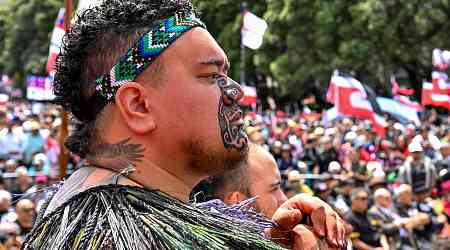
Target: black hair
column 97, row 39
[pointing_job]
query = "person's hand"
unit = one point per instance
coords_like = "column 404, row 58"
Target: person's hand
column 423, row 219
column 325, row 224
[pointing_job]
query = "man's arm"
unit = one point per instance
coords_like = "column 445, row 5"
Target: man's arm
column 387, row 228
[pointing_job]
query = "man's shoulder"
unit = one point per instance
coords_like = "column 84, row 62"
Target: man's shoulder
column 139, row 218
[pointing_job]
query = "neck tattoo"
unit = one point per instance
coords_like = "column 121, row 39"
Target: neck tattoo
column 117, row 156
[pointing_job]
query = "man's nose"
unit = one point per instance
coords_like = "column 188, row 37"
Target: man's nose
column 232, row 92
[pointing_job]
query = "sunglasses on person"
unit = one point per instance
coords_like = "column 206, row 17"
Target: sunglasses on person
column 363, row 198
column 27, row 210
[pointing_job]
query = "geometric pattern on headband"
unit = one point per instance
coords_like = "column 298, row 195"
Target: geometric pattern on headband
column 144, row 52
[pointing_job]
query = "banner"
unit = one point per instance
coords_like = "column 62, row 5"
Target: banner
column 40, row 88
column 253, row 30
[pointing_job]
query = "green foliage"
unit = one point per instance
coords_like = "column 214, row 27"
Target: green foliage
column 28, row 32
column 307, row 40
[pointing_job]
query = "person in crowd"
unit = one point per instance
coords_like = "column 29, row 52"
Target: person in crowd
column 364, row 235
column 424, row 205
column 342, row 202
column 7, row 213
column 310, row 154
column 383, row 217
column 327, row 154
column 418, row 169
column 442, row 160
column 26, row 212
column 297, row 184
column 11, row 143
column 406, row 208
column 9, row 236
column 358, row 168
column 34, row 142
column 22, row 184
column 259, row 178
column 275, row 150
column 37, row 192
column 287, row 162
column 10, row 170
column 429, row 142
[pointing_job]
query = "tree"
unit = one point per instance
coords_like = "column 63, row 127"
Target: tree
column 371, row 38
column 28, row 34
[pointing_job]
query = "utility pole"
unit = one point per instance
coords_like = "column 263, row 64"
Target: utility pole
column 64, row 131
column 242, row 68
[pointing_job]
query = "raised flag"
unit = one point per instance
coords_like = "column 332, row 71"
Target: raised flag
column 398, row 110
column 396, row 90
column 56, row 42
column 440, row 82
column 433, row 97
column 406, row 101
column 351, row 99
column 252, row 31
column 441, row 59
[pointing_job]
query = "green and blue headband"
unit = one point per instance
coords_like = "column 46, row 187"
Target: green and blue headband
column 145, row 52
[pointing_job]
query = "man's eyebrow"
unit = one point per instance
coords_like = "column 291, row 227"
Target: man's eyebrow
column 276, row 184
column 218, row 62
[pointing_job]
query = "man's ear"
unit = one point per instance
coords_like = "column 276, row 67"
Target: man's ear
column 134, row 105
column 234, row 198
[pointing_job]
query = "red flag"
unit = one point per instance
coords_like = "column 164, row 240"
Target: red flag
column 350, row 99
column 406, row 101
column 434, row 96
column 396, row 90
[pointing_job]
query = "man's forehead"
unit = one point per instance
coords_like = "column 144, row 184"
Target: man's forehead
column 198, row 47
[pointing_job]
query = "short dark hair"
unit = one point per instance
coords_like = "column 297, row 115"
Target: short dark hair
column 231, row 181
column 99, row 36
column 355, row 193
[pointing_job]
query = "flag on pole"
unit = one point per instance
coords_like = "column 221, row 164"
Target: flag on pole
column 396, row 90
column 252, row 31
column 351, row 99
column 434, row 97
column 56, row 42
column 403, row 113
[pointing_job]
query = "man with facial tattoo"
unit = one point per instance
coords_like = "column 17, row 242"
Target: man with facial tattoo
column 156, row 114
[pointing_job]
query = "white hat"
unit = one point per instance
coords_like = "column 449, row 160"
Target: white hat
column 350, row 136
column 334, row 167
column 415, row 147
column 294, row 175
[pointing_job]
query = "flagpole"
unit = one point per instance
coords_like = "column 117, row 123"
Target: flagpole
column 242, row 68
column 64, row 131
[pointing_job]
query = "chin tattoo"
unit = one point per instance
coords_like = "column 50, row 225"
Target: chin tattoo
column 230, row 115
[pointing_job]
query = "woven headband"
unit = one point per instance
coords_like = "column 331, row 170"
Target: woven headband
column 144, row 53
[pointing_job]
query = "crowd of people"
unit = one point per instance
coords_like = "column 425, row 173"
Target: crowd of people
column 393, row 191
column 29, row 151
